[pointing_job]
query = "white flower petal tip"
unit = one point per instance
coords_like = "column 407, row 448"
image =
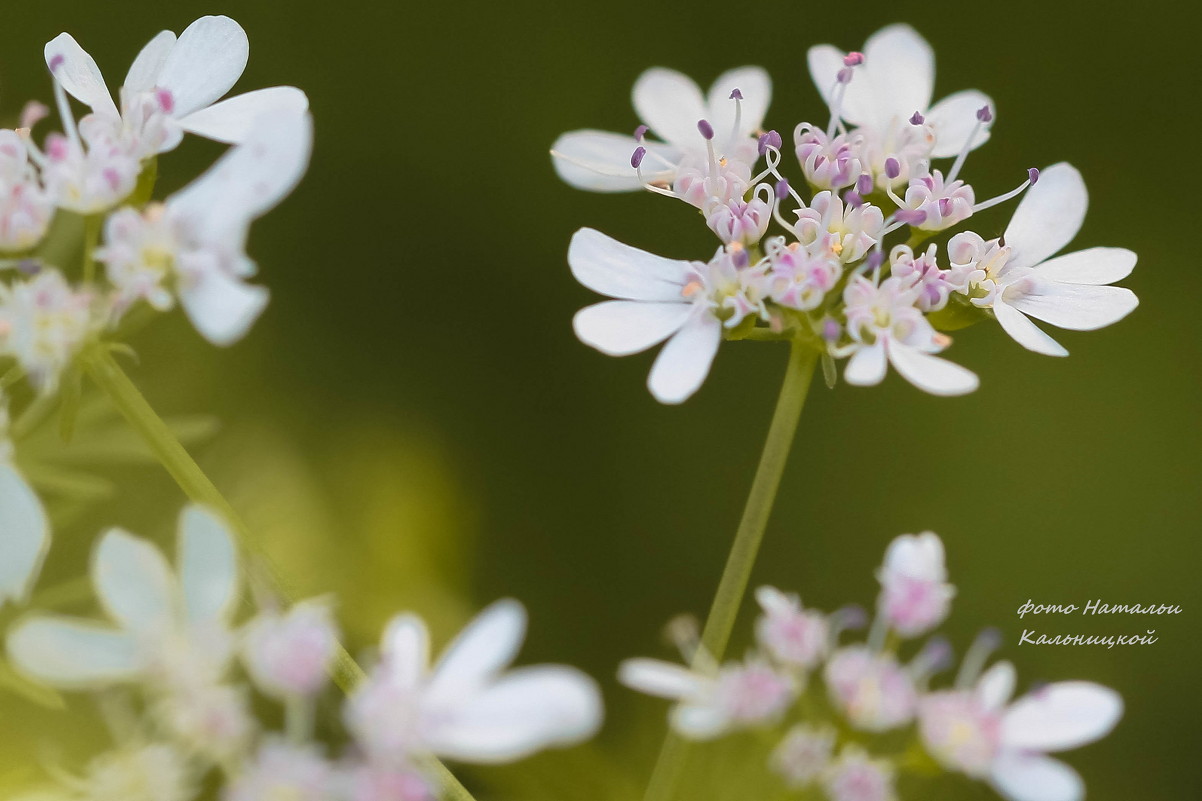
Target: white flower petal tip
column 222, row 307
column 1033, row 777
column 599, row 161
column 683, row 364
column 208, row 565
column 24, row 535
column 605, row 265
column 70, row 653
column 233, row 120
column 931, row 373
column 1048, row 217
column 205, row 63
column 1025, row 332
column 76, row 71
column 623, row 327
column 1061, row 716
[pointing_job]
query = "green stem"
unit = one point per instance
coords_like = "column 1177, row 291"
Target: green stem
column 109, row 376
column 737, row 573
column 91, row 237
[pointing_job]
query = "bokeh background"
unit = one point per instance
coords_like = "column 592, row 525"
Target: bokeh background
column 413, row 425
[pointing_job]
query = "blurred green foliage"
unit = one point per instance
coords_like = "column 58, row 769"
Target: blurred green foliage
column 413, row 425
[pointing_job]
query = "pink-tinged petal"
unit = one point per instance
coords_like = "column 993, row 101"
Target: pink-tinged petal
column 661, row 679
column 24, row 535
column 605, row 265
column 859, row 105
column 208, row 566
column 954, row 118
column 233, row 120
column 525, row 711
column 1095, row 266
column 1025, row 332
column 931, row 373
column 599, row 161
column 866, row 367
column 222, row 307
column 76, row 72
column 996, row 685
column 682, row 365
column 622, row 327
column 406, row 649
column 1030, row 777
column 205, row 63
column 900, row 66
column 143, row 75
column 66, row 652
column 1048, row 217
column 134, row 581
column 1064, row 715
column 671, row 105
column 483, row 649
column 755, row 86
column 1077, row 307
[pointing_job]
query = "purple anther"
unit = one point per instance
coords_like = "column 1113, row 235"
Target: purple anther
column 911, row 216
column 1032, row 175
column 831, row 330
column 782, row 189
column 945, row 206
column 636, row 158
column 853, row 617
column 771, row 139
column 844, row 75
column 29, row 266
column 741, row 258
column 853, row 198
column 892, row 167
column 985, row 114
column 853, row 59
column 706, row 129
column 917, row 119
column 736, row 95
column 57, row 62
column 989, row 639
column 166, row 100
column 640, row 132
column 875, row 259
column 864, row 184
column 937, row 654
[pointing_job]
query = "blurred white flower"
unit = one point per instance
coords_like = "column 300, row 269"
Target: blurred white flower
column 857, row 777
column 284, row 772
column 289, row 654
column 804, row 755
column 792, row 635
column 24, row 530
column 43, row 323
column 872, row 690
column 915, row 596
column 467, row 706
column 25, row 207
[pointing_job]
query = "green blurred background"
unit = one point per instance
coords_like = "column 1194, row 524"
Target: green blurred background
column 413, row 425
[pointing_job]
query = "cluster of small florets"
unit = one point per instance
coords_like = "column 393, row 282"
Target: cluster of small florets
column 830, row 276
column 82, row 197
column 847, row 714
column 199, row 676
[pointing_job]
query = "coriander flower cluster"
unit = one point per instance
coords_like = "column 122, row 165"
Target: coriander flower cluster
column 846, row 716
column 841, row 259
column 82, row 243
column 199, row 677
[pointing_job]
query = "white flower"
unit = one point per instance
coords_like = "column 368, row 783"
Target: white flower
column 170, row 628
column 935, row 284
column 88, row 172
column 285, row 772
column 43, row 323
column 1018, row 279
column 171, row 87
column 367, row 782
column 915, row 596
column 856, row 777
column 193, row 245
column 711, row 703
column 886, row 326
column 804, row 755
column 872, row 689
column 897, row 79
column 799, row 278
column 848, row 233
column 682, row 301
column 151, row 772
column 792, row 635
column 466, row 706
column 976, row 732
column 672, row 105
column 24, row 532
column 25, row 207
column 289, row 654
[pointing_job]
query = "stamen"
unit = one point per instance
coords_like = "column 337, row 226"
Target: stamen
column 640, row 132
column 985, row 114
column 984, row 117
column 853, row 198
column 985, row 644
column 770, row 139
column 849, row 618
column 917, row 119
column 864, row 184
column 934, row 657
column 853, row 59
column 1032, row 177
column 735, row 95
column 735, row 132
column 706, row 130
column 892, row 168
column 64, row 105
column 911, row 216
column 636, row 158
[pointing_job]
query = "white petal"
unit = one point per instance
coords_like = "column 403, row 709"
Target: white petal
column 661, row 679
column 1048, row 217
column 605, row 265
column 525, row 711
column 205, row 63
column 755, row 86
column 1027, row 777
column 599, row 161
column 72, row 653
column 76, row 71
column 1075, row 306
column 1060, row 716
column 134, row 581
column 1025, row 332
column 859, row 105
column 670, row 104
column 866, row 367
column 221, row 306
column 406, row 646
column 208, row 566
column 954, row 118
column 24, row 535
column 699, row 721
column 232, row 120
column 622, row 327
column 143, row 75
column 483, row 649
column 931, row 373
column 900, row 65
column 683, row 364
column 1095, row 266
column 996, row 685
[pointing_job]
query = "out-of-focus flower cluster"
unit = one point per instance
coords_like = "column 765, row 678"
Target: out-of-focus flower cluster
column 848, row 268
column 191, row 672
column 850, row 716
